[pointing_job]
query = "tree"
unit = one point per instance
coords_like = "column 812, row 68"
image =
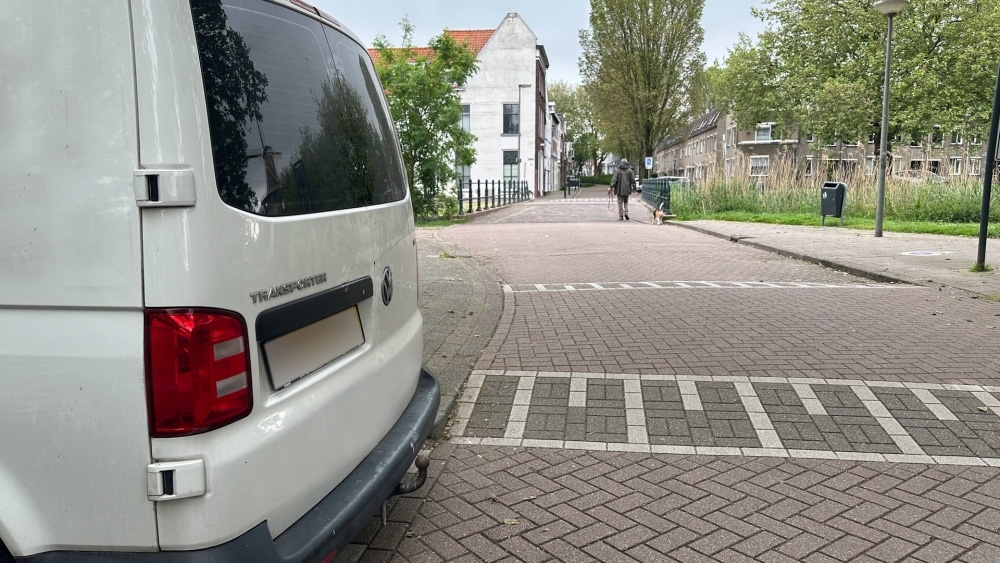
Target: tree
column 427, row 110
column 573, row 103
column 705, row 91
column 820, row 64
column 639, row 57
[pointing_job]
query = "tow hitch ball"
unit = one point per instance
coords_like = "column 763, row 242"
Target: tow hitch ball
column 411, row 482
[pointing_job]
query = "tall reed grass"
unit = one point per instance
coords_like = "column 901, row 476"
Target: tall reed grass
column 787, row 190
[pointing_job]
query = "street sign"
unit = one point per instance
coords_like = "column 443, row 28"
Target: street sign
column 649, row 163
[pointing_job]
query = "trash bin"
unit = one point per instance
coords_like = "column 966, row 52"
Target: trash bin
column 831, row 201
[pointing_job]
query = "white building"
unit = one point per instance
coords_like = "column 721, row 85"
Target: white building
column 505, row 105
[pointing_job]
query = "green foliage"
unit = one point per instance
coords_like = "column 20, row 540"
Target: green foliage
column 820, row 63
column 427, row 110
column 601, row 180
column 445, row 205
column 981, row 268
column 639, row 57
column 951, row 208
column 574, row 104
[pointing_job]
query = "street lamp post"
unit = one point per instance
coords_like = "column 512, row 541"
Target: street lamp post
column 520, row 171
column 889, row 8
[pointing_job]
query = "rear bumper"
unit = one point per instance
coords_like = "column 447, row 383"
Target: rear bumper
column 327, row 527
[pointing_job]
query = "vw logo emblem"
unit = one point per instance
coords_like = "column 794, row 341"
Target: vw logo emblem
column 386, row 286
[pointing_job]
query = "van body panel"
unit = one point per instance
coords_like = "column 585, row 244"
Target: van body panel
column 73, row 406
column 299, row 441
column 75, row 439
column 69, row 226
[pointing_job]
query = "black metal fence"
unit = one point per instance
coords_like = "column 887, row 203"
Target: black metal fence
column 489, row 194
column 657, row 190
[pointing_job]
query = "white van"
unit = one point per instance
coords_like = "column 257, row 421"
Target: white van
column 210, row 347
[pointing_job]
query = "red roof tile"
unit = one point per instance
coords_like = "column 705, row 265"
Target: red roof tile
column 475, row 39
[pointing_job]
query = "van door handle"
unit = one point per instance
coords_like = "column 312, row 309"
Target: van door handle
column 170, row 480
column 164, row 187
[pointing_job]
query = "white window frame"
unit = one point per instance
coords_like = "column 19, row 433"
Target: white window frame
column 763, row 166
column 871, row 165
column 975, row 166
column 810, row 162
column 760, row 127
column 955, row 165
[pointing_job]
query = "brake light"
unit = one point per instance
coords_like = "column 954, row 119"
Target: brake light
column 197, row 370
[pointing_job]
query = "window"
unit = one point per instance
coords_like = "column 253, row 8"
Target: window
column 466, row 118
column 915, row 141
column 975, row 166
column 873, row 137
column 810, row 137
column 763, row 132
column 730, row 167
column 809, row 166
column 759, row 165
column 916, row 164
column 934, row 166
column 956, row 138
column 511, row 119
column 871, row 165
column 975, row 140
column 510, row 167
column 956, row 165
column 301, row 127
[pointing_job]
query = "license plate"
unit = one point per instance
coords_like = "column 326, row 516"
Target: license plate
column 297, row 354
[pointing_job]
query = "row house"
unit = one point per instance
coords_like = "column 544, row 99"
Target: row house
column 715, row 144
column 504, row 105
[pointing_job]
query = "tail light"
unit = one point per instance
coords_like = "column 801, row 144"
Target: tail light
column 197, row 370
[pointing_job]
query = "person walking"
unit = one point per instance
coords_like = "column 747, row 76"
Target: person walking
column 622, row 184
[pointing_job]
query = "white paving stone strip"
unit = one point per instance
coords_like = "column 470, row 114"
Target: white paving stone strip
column 766, row 433
column 578, row 392
column 988, row 400
column 522, row 400
column 689, row 284
column 904, row 442
column 689, row 396
column 635, row 413
column 934, row 404
column 809, row 399
column 638, row 440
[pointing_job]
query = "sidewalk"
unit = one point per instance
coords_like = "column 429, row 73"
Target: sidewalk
column 461, row 302
column 928, row 260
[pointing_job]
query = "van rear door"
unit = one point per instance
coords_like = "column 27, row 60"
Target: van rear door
column 273, row 161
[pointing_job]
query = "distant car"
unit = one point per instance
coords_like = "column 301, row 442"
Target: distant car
column 920, row 177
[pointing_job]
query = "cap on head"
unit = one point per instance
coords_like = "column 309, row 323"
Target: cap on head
column 624, row 161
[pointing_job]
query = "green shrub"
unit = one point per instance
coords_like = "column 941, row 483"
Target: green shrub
column 603, row 179
column 445, row 206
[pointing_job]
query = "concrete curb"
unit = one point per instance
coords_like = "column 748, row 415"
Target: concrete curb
column 840, row 267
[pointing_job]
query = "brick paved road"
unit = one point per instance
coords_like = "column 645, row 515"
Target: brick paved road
column 691, row 345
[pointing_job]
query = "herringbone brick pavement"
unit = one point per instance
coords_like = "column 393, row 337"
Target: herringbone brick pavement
column 511, row 504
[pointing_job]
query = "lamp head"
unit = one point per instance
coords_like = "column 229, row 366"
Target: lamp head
column 890, row 7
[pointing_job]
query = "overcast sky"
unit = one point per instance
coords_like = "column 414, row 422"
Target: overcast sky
column 556, row 23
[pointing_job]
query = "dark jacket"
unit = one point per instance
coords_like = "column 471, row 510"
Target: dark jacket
column 623, row 182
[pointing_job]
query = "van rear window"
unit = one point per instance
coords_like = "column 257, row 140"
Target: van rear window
column 296, row 115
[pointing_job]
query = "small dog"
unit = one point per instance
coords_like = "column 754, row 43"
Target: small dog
column 658, row 214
